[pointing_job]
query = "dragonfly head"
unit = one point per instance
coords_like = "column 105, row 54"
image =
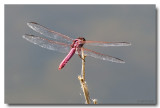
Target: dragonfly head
column 82, row 41
column 81, row 38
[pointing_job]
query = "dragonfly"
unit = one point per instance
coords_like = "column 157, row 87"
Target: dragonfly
column 64, row 44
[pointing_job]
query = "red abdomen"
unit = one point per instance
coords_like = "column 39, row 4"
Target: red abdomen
column 67, row 58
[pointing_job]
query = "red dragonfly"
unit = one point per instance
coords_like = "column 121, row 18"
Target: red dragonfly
column 69, row 45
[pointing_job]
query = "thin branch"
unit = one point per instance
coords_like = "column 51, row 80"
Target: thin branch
column 83, row 65
column 82, row 80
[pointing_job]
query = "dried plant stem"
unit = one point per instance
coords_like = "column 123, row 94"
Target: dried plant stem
column 83, row 65
column 82, row 80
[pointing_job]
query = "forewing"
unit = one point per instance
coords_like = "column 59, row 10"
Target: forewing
column 94, row 54
column 48, row 44
column 49, row 33
column 106, row 44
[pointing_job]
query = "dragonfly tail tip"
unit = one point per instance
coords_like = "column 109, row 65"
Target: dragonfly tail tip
column 59, row 68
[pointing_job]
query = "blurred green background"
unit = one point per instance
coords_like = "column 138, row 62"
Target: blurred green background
column 31, row 72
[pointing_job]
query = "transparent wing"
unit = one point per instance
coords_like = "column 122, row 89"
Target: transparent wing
column 105, row 44
column 48, row 44
column 49, row 33
column 94, row 54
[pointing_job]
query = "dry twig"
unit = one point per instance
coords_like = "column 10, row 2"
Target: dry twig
column 82, row 80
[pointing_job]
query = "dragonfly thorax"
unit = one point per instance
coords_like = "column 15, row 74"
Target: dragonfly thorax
column 78, row 43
